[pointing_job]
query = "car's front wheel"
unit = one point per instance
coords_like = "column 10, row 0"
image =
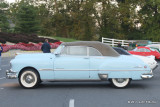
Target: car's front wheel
column 29, row 78
column 120, row 82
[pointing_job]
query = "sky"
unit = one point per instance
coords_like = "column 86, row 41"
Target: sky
column 10, row 1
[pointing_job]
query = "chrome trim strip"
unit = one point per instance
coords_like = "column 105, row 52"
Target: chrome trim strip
column 46, row 69
column 138, row 67
column 92, row 70
column 84, row 70
column 70, row 80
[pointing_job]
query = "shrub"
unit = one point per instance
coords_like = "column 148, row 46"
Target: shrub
column 27, row 47
column 16, row 38
column 2, row 40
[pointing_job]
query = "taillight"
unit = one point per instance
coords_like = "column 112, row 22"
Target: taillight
column 145, row 66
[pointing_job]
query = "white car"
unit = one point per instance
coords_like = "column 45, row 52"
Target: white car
column 154, row 46
column 152, row 57
column 150, row 60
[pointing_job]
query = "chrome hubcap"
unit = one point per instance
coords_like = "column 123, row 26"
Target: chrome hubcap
column 29, row 78
column 120, row 80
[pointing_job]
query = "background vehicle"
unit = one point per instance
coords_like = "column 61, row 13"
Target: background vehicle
column 150, row 61
column 154, row 46
column 145, row 51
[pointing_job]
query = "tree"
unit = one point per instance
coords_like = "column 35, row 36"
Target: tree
column 150, row 19
column 86, row 19
column 26, row 18
column 106, row 15
column 4, row 21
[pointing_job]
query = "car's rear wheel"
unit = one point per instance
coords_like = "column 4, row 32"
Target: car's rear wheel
column 29, row 78
column 120, row 82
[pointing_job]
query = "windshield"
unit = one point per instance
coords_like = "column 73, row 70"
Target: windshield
column 58, row 50
column 121, row 51
column 134, row 49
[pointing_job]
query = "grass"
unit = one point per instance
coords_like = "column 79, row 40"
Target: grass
column 65, row 39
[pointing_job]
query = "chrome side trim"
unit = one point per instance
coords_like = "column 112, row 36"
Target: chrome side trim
column 92, row 70
column 84, row 70
column 73, row 70
column 46, row 69
column 70, row 80
column 138, row 67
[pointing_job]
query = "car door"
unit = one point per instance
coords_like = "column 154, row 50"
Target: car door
column 142, row 51
column 72, row 64
column 148, row 52
column 136, row 51
column 96, row 60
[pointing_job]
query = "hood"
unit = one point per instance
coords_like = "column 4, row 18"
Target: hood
column 34, row 56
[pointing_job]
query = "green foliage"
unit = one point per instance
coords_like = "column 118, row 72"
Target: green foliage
column 150, row 15
column 74, row 20
column 88, row 19
column 4, row 21
column 26, row 18
column 65, row 39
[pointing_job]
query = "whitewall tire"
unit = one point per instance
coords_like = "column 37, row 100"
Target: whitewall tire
column 29, row 78
column 120, row 82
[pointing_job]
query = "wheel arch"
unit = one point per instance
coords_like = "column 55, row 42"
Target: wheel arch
column 29, row 67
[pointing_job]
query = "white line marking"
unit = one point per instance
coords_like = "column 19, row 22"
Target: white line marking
column 71, row 103
column 2, row 78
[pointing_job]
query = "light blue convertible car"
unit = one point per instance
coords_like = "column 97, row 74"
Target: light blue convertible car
column 78, row 61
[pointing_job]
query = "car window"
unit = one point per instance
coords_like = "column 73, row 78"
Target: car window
column 138, row 50
column 135, row 49
column 121, row 51
column 75, row 50
column 80, row 51
column 152, row 49
column 147, row 50
column 142, row 50
column 60, row 47
column 94, row 52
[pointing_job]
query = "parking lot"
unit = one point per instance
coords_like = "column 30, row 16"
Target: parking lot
column 145, row 93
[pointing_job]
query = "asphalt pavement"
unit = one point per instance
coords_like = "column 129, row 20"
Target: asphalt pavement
column 144, row 93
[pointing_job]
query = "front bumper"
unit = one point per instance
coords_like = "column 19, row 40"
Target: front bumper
column 11, row 74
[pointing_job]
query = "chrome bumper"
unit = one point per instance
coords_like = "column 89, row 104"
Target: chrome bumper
column 146, row 76
column 11, row 74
